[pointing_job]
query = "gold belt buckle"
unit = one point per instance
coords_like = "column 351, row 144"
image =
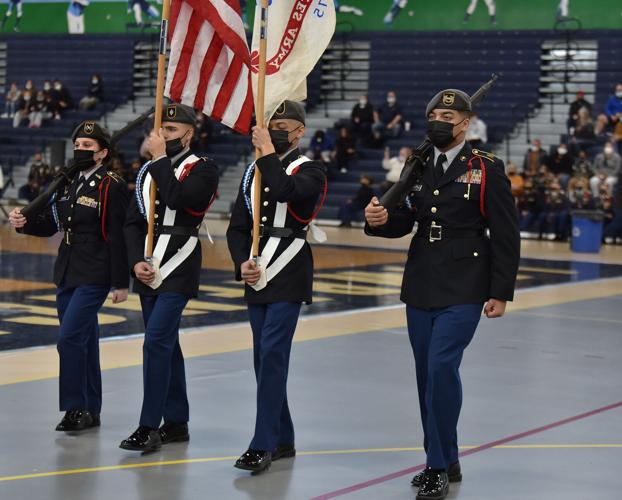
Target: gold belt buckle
column 436, row 232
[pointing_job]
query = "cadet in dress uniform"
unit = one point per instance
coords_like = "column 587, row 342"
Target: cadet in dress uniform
column 186, row 186
column 290, row 190
column 453, row 270
column 91, row 261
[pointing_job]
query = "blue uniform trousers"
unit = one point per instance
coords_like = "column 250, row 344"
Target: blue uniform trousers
column 438, row 338
column 273, row 328
column 80, row 381
column 164, row 376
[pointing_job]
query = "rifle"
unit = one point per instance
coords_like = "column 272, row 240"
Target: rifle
column 413, row 168
column 66, row 174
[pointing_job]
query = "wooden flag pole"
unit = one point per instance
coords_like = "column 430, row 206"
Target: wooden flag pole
column 259, row 112
column 157, row 119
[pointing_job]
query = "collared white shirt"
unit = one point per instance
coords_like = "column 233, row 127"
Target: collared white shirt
column 85, row 176
column 451, row 155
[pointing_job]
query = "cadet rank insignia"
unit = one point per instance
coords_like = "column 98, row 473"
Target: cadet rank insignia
column 449, row 98
column 171, row 111
column 89, row 127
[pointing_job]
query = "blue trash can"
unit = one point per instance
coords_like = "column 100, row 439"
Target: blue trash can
column 587, row 231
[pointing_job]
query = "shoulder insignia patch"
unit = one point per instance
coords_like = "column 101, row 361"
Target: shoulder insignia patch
column 484, row 154
column 114, row 176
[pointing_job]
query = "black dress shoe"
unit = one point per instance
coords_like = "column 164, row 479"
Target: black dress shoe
column 284, row 451
column 435, row 486
column 254, row 460
column 453, row 473
column 171, row 432
column 78, row 420
column 143, row 439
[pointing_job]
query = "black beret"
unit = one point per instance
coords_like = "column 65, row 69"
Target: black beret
column 179, row 113
column 450, row 99
column 92, row 130
column 290, row 110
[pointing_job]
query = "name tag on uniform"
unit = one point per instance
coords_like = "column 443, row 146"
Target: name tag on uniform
column 476, row 177
column 417, row 187
column 87, row 202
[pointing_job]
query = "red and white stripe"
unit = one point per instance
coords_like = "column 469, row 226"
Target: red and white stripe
column 209, row 61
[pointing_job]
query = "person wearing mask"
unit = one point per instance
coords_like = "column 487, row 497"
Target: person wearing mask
column 534, row 157
column 388, row 118
column 186, row 186
column 94, row 95
column 91, row 263
column 613, row 111
column 11, row 99
column 555, row 217
column 23, row 107
column 581, row 196
column 517, row 182
column 345, row 150
column 39, row 170
column 560, row 164
column 394, row 166
column 293, row 189
column 530, row 206
column 30, row 190
column 606, row 169
column 573, row 111
column 62, row 99
column 583, row 136
column 354, row 206
column 453, row 272
column 362, row 119
column 38, row 110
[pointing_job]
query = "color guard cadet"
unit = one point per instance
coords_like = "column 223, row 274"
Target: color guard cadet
column 291, row 187
column 453, row 270
column 186, row 185
column 92, row 260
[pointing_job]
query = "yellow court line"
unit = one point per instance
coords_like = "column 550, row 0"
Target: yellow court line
column 162, row 463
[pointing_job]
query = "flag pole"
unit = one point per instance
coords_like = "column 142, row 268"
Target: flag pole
column 259, row 112
column 157, row 119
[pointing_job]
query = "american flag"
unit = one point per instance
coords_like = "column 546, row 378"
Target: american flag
column 209, row 61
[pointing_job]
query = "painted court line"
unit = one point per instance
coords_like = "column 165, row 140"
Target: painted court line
column 477, row 449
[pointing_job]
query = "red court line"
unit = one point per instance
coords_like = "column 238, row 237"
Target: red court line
column 487, row 446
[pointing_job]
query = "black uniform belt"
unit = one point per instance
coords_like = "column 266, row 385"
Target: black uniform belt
column 178, row 230
column 71, row 238
column 282, row 232
column 436, row 232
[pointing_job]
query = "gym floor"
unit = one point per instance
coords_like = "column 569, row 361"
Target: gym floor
column 542, row 414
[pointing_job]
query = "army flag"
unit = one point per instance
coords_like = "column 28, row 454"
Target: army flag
column 298, row 32
column 209, row 62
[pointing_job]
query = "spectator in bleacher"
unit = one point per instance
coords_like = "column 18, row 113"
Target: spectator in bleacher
column 10, row 101
column 362, row 119
column 560, row 164
column 555, row 216
column 613, row 230
column 47, row 87
column 95, row 93
column 529, row 205
column 534, row 157
column 23, row 108
column 388, row 117
column 355, row 206
column 61, row 98
column 582, row 169
column 204, row 133
column 477, row 134
column 517, row 181
column 573, row 111
column 29, row 85
column 394, row 165
column 606, row 169
column 38, row 110
column 320, row 147
column 29, row 191
column 613, row 111
column 40, row 171
column 581, row 197
column 130, row 175
column 583, row 135
column 345, row 150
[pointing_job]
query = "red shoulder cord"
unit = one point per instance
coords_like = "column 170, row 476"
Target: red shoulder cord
column 103, row 200
column 482, row 191
column 186, row 171
column 319, row 206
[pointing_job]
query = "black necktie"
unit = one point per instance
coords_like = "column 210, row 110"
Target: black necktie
column 438, row 168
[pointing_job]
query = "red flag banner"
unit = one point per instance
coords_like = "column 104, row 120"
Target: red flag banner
column 209, row 62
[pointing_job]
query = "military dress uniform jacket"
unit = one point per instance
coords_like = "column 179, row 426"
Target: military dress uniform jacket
column 92, row 251
column 461, row 265
column 190, row 198
column 301, row 191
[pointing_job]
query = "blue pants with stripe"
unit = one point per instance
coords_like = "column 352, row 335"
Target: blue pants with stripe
column 438, row 338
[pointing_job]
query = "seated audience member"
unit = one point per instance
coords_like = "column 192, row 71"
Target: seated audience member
column 613, row 230
column 320, row 147
column 29, row 191
column 345, row 149
column 11, row 99
column 560, row 164
column 95, row 93
column 22, row 110
column 355, row 206
column 477, row 134
column 40, row 171
column 388, row 117
column 516, row 181
column 613, row 111
column 606, row 169
column 394, row 166
column 530, row 205
column 583, row 132
column 61, row 98
column 38, row 110
column 534, row 157
column 555, row 216
column 581, row 197
column 362, row 119
column 575, row 106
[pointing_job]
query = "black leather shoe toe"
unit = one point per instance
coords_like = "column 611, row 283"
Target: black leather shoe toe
column 143, row 439
column 435, row 486
column 254, row 461
column 78, row 420
column 454, row 475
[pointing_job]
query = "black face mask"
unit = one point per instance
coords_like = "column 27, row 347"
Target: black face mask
column 280, row 140
column 83, row 159
column 441, row 133
column 174, row 146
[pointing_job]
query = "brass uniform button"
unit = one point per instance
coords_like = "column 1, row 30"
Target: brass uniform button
column 264, row 219
column 265, row 203
column 475, row 254
column 436, row 192
column 266, row 189
column 433, row 210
